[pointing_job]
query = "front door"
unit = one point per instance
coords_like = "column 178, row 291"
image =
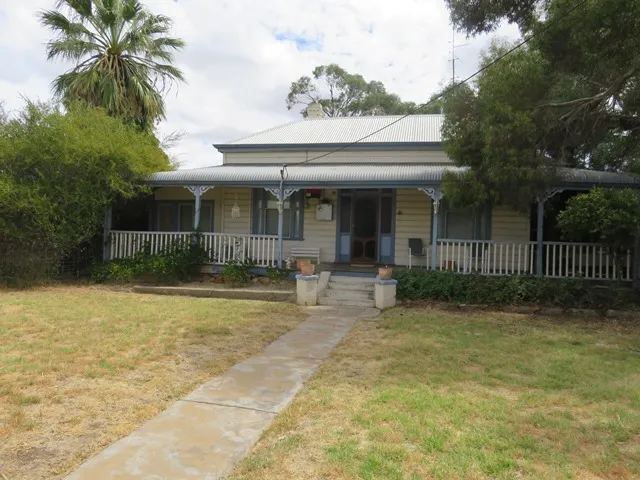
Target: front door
column 364, row 230
column 366, row 226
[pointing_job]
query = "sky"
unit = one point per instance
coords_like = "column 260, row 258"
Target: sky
column 242, row 56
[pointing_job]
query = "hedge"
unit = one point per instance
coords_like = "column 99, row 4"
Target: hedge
column 513, row 290
column 180, row 263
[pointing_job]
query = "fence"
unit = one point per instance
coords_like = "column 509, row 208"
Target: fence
column 260, row 250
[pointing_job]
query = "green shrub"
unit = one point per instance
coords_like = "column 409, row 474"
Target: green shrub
column 235, row 272
column 59, row 169
column 179, row 263
column 512, row 290
column 274, row 273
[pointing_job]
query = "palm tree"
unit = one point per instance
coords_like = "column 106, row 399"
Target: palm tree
column 123, row 57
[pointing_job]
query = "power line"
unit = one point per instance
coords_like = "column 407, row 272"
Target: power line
column 453, row 87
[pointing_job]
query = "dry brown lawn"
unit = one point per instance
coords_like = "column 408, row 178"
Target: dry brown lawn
column 423, row 393
column 83, row 366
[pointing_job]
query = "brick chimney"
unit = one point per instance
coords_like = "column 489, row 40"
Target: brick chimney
column 314, row 110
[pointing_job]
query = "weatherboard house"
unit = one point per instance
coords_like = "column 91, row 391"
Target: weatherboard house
column 349, row 192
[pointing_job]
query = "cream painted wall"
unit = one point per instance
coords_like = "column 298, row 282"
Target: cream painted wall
column 509, row 225
column 413, row 219
column 317, row 233
column 359, row 156
column 229, row 198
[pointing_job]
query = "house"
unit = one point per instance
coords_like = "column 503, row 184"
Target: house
column 357, row 191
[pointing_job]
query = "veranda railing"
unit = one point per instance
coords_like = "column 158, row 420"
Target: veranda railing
column 260, row 250
column 559, row 259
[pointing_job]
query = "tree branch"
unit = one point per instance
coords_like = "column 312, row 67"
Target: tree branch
column 580, row 102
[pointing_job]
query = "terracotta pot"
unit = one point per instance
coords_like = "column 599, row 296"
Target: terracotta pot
column 300, row 263
column 308, row 269
column 385, row 273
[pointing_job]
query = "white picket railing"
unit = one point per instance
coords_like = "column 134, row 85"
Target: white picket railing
column 260, row 250
column 560, row 259
column 586, row 260
column 486, row 257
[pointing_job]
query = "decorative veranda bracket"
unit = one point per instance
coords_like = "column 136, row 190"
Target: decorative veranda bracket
column 286, row 193
column 435, row 194
column 199, row 190
column 550, row 193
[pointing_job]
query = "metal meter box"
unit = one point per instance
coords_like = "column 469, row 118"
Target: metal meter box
column 324, row 211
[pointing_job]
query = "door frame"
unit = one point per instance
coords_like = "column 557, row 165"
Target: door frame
column 375, row 196
column 389, row 238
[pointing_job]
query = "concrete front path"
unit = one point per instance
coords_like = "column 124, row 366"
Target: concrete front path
column 206, row 433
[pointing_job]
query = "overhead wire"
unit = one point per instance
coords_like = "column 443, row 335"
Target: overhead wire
column 447, row 91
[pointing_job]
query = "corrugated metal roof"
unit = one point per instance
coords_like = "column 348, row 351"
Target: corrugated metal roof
column 344, row 130
column 353, row 175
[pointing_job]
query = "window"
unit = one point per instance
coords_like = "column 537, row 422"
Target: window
column 165, row 217
column 178, row 216
column 265, row 214
column 462, row 224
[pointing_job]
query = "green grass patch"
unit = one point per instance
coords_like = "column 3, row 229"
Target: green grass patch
column 430, row 394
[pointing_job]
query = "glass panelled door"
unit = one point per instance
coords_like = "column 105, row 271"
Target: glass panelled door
column 387, row 237
column 344, row 229
column 364, row 229
column 366, row 222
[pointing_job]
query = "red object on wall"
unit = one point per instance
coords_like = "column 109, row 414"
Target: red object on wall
column 313, row 192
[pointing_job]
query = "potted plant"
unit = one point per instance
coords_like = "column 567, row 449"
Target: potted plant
column 385, row 273
column 307, row 269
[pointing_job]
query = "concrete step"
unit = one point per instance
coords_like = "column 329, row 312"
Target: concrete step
column 358, row 287
column 336, row 302
column 348, row 294
column 343, row 279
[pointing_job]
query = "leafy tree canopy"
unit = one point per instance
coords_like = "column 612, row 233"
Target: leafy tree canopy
column 343, row 94
column 570, row 97
column 605, row 216
column 123, row 55
column 58, row 172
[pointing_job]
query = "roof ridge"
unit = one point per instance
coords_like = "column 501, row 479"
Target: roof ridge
column 422, row 128
column 363, row 117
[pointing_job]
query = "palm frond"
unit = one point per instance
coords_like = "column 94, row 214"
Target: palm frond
column 130, row 9
column 82, row 8
column 123, row 56
column 71, row 49
column 56, row 21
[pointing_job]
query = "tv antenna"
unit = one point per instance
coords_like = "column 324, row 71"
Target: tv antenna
column 453, row 54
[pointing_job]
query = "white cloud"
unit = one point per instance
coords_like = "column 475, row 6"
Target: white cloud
column 242, row 55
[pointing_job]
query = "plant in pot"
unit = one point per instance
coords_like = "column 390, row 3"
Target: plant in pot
column 307, row 268
column 385, row 273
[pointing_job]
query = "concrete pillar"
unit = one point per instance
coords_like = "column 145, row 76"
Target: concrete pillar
column 384, row 293
column 307, row 290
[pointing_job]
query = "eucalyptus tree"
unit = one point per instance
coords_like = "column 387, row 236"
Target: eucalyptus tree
column 123, row 56
column 570, row 97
